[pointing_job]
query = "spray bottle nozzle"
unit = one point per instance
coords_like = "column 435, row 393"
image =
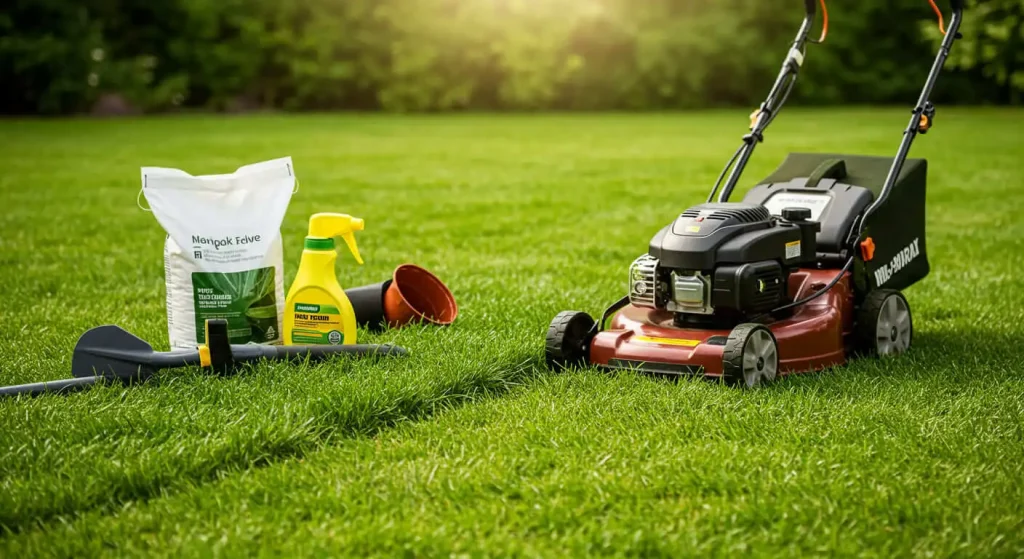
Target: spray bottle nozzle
column 331, row 225
column 350, row 240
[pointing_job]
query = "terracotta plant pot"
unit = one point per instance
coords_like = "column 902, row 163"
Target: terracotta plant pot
column 411, row 295
column 416, row 295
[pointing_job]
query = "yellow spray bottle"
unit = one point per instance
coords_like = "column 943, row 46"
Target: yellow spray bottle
column 317, row 311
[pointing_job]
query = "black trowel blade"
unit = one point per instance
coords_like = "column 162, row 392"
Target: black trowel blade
column 112, row 352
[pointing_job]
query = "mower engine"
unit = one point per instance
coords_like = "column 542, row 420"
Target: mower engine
column 723, row 262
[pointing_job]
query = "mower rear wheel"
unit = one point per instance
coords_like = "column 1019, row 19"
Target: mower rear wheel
column 884, row 324
column 567, row 343
column 751, row 356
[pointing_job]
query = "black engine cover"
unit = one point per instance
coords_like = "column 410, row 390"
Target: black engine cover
column 707, row 235
column 753, row 287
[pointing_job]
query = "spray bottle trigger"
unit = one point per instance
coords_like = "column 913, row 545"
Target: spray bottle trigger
column 350, row 240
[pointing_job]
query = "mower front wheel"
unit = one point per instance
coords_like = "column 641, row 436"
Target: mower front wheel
column 751, row 356
column 567, row 343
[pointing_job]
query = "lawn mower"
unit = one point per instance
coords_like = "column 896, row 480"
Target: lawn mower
column 803, row 273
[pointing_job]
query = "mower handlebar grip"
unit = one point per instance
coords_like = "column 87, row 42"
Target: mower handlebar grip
column 958, row 5
column 811, row 6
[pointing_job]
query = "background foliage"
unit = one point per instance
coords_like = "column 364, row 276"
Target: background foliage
column 61, row 56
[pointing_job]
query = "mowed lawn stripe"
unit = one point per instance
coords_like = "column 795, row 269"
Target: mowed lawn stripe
column 906, row 458
column 189, row 430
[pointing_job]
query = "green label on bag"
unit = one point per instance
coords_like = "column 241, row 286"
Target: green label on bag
column 247, row 300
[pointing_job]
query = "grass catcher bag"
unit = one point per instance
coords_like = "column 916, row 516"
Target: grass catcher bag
column 223, row 256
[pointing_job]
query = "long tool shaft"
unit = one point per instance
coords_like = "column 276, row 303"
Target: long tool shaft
column 242, row 354
column 110, row 352
column 54, row 386
column 224, row 360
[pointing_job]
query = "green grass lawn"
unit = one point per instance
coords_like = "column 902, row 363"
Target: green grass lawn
column 470, row 446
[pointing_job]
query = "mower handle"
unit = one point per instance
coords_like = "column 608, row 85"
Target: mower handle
column 958, row 5
column 762, row 117
column 811, row 6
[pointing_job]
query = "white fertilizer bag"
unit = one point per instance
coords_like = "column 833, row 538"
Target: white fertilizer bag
column 223, row 255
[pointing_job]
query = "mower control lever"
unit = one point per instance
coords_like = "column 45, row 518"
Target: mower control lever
column 927, row 118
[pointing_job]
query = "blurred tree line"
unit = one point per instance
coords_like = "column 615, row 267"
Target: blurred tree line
column 61, row 56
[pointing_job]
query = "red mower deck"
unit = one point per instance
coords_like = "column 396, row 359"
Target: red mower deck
column 817, row 336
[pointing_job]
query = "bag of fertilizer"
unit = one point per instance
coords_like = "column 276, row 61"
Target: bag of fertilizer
column 223, row 255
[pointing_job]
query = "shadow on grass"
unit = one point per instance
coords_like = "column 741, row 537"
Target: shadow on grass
column 936, row 357
column 992, row 345
column 334, row 418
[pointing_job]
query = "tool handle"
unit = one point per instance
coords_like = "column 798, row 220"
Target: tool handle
column 174, row 359
column 54, row 386
column 810, row 6
column 321, row 352
column 958, row 5
column 253, row 352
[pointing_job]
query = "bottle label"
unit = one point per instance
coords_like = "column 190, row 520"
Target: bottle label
column 316, row 323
